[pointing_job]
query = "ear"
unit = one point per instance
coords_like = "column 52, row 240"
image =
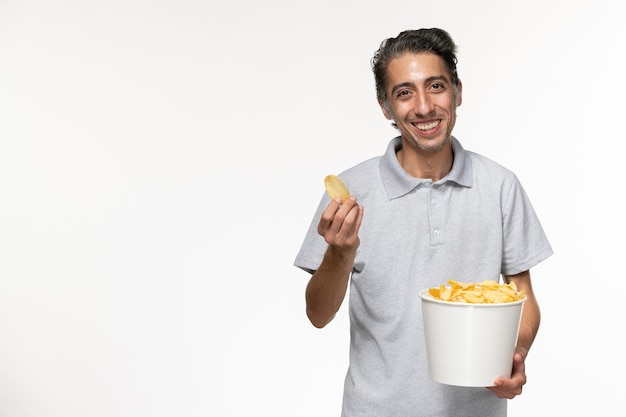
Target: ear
column 386, row 111
column 459, row 95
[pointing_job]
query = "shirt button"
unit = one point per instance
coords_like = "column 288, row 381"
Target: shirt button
column 437, row 232
column 433, row 201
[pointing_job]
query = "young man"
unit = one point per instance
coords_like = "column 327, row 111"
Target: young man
column 427, row 211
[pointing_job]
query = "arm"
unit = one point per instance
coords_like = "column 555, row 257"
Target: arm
column 531, row 316
column 529, row 325
column 339, row 225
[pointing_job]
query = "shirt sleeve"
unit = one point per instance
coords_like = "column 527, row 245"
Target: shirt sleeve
column 525, row 243
column 314, row 246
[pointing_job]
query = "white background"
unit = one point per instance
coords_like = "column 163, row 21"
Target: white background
column 160, row 162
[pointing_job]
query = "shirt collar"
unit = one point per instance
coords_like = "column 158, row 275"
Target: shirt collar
column 398, row 183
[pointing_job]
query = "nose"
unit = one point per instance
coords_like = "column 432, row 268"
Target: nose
column 423, row 104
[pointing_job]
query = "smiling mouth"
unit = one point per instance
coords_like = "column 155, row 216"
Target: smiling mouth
column 427, row 126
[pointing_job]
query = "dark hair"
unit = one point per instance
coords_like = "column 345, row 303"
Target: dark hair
column 434, row 40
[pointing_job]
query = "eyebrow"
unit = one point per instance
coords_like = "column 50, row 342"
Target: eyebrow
column 426, row 81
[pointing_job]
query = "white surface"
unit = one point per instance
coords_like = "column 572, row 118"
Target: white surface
column 470, row 345
column 160, row 162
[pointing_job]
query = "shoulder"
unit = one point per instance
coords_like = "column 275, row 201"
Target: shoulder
column 362, row 172
column 367, row 167
column 485, row 167
column 486, row 162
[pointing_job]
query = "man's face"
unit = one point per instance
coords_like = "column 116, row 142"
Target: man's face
column 422, row 100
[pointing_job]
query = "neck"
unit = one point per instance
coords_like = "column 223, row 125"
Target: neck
column 426, row 164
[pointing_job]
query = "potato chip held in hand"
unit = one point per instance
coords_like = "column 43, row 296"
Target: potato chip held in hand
column 485, row 292
column 336, row 188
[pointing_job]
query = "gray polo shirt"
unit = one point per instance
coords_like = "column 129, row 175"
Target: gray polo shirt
column 475, row 224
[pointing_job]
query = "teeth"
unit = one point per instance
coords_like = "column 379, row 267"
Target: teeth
column 428, row 126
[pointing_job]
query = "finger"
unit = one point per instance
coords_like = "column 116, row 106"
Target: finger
column 519, row 367
column 328, row 215
column 351, row 222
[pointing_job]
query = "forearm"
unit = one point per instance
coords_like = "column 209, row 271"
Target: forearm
column 529, row 325
column 531, row 315
column 327, row 287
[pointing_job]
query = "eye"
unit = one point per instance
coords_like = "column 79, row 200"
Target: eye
column 403, row 93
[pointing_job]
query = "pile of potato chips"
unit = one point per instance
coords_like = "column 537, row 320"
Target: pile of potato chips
column 485, row 292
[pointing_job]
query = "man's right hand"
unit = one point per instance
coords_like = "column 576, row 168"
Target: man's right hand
column 340, row 223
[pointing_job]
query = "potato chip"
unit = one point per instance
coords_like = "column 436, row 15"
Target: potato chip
column 485, row 292
column 336, row 188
